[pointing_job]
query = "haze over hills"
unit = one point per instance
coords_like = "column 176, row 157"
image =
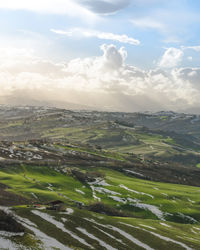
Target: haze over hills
column 112, row 104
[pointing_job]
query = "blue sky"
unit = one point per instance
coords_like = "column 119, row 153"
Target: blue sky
column 139, row 45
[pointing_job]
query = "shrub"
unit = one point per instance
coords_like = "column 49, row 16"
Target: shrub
column 100, row 207
column 9, row 224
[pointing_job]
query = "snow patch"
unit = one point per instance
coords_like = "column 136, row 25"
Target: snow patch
column 187, row 217
column 118, row 199
column 160, row 236
column 136, row 192
column 147, row 226
column 153, row 209
column 101, row 242
column 59, row 225
column 131, row 238
column 48, row 242
column 79, row 191
column 165, row 225
column 133, row 172
column 99, row 182
column 34, row 195
column 105, row 191
column 94, row 194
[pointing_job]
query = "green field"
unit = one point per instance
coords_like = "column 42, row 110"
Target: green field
column 120, row 191
column 145, row 228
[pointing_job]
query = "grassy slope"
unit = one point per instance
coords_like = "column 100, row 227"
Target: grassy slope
column 168, row 198
column 29, row 180
column 115, row 232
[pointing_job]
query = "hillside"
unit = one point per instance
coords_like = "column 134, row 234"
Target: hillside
column 98, row 180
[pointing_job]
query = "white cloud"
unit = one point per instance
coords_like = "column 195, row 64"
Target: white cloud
column 171, row 58
column 102, row 82
column 98, row 34
column 196, row 48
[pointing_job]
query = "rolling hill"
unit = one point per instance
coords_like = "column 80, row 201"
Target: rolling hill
column 98, row 180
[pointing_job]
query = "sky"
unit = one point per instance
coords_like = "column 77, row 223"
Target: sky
column 114, row 55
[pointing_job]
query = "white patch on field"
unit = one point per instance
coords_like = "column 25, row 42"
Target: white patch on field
column 93, row 221
column 151, row 208
column 118, row 199
column 25, row 221
column 109, row 235
column 171, row 240
column 79, row 191
column 9, row 234
column 64, row 220
column 156, row 188
column 196, row 228
column 98, row 217
column 37, row 157
column 94, row 194
column 50, row 189
column 101, row 242
column 187, row 217
column 131, row 238
column 126, row 235
column 99, row 182
column 164, row 194
column 136, row 192
column 59, row 225
column 34, row 195
column 5, row 209
column 160, row 236
column 191, row 201
column 105, row 191
column 133, row 172
column 164, row 224
column 193, row 231
column 7, row 244
column 132, row 200
column 148, row 226
column 104, row 226
column 48, row 242
column 69, row 210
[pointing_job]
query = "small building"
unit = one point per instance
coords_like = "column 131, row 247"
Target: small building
column 56, row 205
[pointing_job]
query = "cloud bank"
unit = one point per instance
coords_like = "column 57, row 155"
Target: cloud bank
column 105, row 82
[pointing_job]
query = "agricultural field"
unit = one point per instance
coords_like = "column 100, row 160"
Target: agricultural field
column 148, row 213
column 86, row 180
